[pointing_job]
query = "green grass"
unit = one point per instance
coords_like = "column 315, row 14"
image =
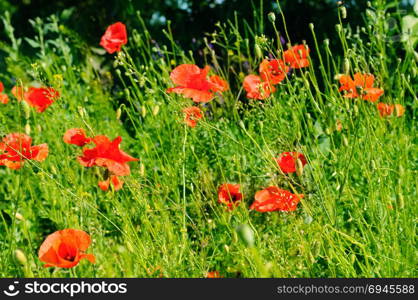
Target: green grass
column 358, row 217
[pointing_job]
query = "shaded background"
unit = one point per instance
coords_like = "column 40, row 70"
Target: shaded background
column 190, row 18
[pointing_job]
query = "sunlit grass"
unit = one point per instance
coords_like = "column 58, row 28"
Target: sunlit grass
column 358, row 216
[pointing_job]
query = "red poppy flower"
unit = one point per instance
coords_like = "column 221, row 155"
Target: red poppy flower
column 275, row 199
column 387, row 109
column 17, row 147
column 273, row 71
column 256, row 88
column 76, row 136
column 213, row 274
column 65, row 248
column 18, row 92
column 192, row 115
column 361, row 86
column 287, row 161
column 229, row 195
column 192, row 82
column 107, row 154
column 4, row 99
column 114, row 180
column 40, row 98
column 297, row 56
column 114, row 37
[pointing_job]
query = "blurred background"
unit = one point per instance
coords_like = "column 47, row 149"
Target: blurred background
column 190, row 19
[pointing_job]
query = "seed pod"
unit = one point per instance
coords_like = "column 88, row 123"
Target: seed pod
column 246, row 234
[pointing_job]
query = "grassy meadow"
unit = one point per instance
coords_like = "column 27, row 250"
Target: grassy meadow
column 358, row 214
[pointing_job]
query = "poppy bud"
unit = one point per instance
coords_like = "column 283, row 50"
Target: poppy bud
column 338, row 27
column 343, row 11
column 21, row 257
column 142, row 170
column 143, row 111
column 258, row 52
column 272, row 17
column 373, row 165
column 326, row 43
column 299, row 167
column 155, row 110
column 401, row 201
column 345, row 141
column 118, row 113
column 241, row 124
column 311, row 26
column 346, row 66
column 81, row 111
column 27, row 129
column 19, row 216
column 246, row 234
column 355, row 109
column 26, row 109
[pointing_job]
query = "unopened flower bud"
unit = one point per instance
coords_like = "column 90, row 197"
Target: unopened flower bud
column 21, row 257
column 118, row 113
column 272, row 17
column 27, row 129
column 246, row 234
column 299, row 167
column 345, row 141
column 346, row 66
column 19, row 216
column 155, row 110
column 143, row 111
column 258, row 52
column 343, row 11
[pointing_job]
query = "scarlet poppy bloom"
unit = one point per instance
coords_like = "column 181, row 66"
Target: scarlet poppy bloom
column 107, row 154
column 387, row 109
column 297, row 56
column 229, row 195
column 4, row 99
column 287, row 161
column 256, row 88
column 17, row 147
column 76, row 136
column 361, row 86
column 213, row 274
column 114, row 37
column 273, row 71
column 192, row 115
column 193, row 82
column 275, row 199
column 65, row 248
column 114, row 180
column 18, row 92
column 40, row 98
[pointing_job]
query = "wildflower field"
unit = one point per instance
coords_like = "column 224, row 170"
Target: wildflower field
column 256, row 156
